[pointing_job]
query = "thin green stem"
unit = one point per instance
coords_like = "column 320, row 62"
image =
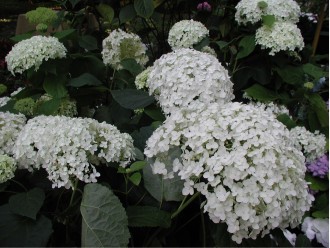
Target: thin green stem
column 184, row 205
column 203, row 225
column 74, row 189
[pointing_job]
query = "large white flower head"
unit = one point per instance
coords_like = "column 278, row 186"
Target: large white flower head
column 241, row 159
column 186, row 75
column 253, row 10
column 120, row 45
column 282, row 36
column 33, row 52
column 7, row 168
column 186, row 34
column 10, row 126
column 69, row 148
column 272, row 108
column 313, row 145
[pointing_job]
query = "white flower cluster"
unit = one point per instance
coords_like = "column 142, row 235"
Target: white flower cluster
column 32, row 52
column 282, row 36
column 317, row 228
column 7, row 168
column 186, row 33
column 241, row 159
column 253, row 10
column 184, row 76
column 4, row 100
column 68, row 148
column 141, row 79
column 313, row 145
column 272, row 108
column 10, row 126
column 120, row 45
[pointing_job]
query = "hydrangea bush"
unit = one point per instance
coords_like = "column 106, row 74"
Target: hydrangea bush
column 165, row 123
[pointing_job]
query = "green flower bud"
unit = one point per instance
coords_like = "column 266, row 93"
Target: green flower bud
column 25, row 106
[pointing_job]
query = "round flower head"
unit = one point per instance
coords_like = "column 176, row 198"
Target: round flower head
column 41, row 15
column 282, row 36
column 7, row 168
column 186, row 75
column 186, row 34
column 313, row 145
column 120, row 45
column 25, row 106
column 10, row 126
column 141, row 79
column 253, row 10
column 69, row 148
column 319, row 167
column 32, row 52
column 241, row 159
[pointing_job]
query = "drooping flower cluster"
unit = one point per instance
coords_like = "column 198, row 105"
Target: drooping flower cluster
column 184, row 76
column 319, row 167
column 186, row 34
column 7, row 168
column 69, row 148
column 241, row 159
column 33, row 52
column 313, row 145
column 282, row 36
column 10, row 126
column 252, row 11
column 120, row 45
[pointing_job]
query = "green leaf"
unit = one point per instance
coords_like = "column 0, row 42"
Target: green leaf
column 88, row 42
column 246, row 46
column 159, row 188
column 155, row 113
column 320, row 108
column 204, row 42
column 104, row 221
column 132, row 99
column 132, row 66
column 83, row 80
column 291, row 74
column 65, row 34
column 54, row 85
column 316, row 183
column 322, row 214
column 146, row 216
column 141, row 136
column 144, row 8
column 127, row 13
column 138, row 154
column 135, row 178
column 74, row 2
column 222, row 44
column 27, row 204
column 49, row 107
column 20, row 37
column 18, row 231
column 106, row 11
column 260, row 93
column 314, row 71
column 87, row 63
column 302, row 241
column 268, row 20
column 136, row 166
column 287, row 121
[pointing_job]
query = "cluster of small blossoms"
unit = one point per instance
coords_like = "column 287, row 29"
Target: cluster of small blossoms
column 241, row 159
column 184, row 76
column 310, row 16
column 316, row 228
column 252, row 11
column 186, row 34
column 32, row 52
column 7, row 168
column 68, row 107
column 4, row 100
column 319, row 167
column 69, row 148
column 120, row 45
column 272, row 108
column 25, row 106
column 10, row 126
column 141, row 79
column 209, row 50
column 282, row 36
column 42, row 15
column 313, row 145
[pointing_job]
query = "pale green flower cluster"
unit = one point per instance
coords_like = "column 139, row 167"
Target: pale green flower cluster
column 141, row 79
column 282, row 36
column 68, row 107
column 186, row 34
column 25, row 106
column 120, row 45
column 7, row 168
column 41, row 15
column 33, row 52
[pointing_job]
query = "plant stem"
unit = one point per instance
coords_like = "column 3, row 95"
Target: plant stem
column 184, row 205
column 203, row 225
column 74, row 191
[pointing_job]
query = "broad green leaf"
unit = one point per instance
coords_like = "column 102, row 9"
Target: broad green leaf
column 18, row 231
column 222, row 44
column 246, row 46
column 49, row 107
column 322, row 202
column 106, row 11
column 138, row 154
column 88, row 42
column 322, row 214
column 21, row 37
column 268, row 20
column 291, row 74
column 316, row 183
column 84, row 79
column 127, row 13
column 87, row 64
column 74, row 2
column 302, row 241
column 144, row 8
column 54, row 85
column 314, row 71
column 104, row 220
column 65, row 34
column 135, row 178
column 155, row 113
column 204, row 42
column 140, row 136
column 146, row 216
column 320, row 108
column 27, row 204
column 260, row 93
column 159, row 188
column 286, row 120
column 132, row 99
column 138, row 165
column 132, row 66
